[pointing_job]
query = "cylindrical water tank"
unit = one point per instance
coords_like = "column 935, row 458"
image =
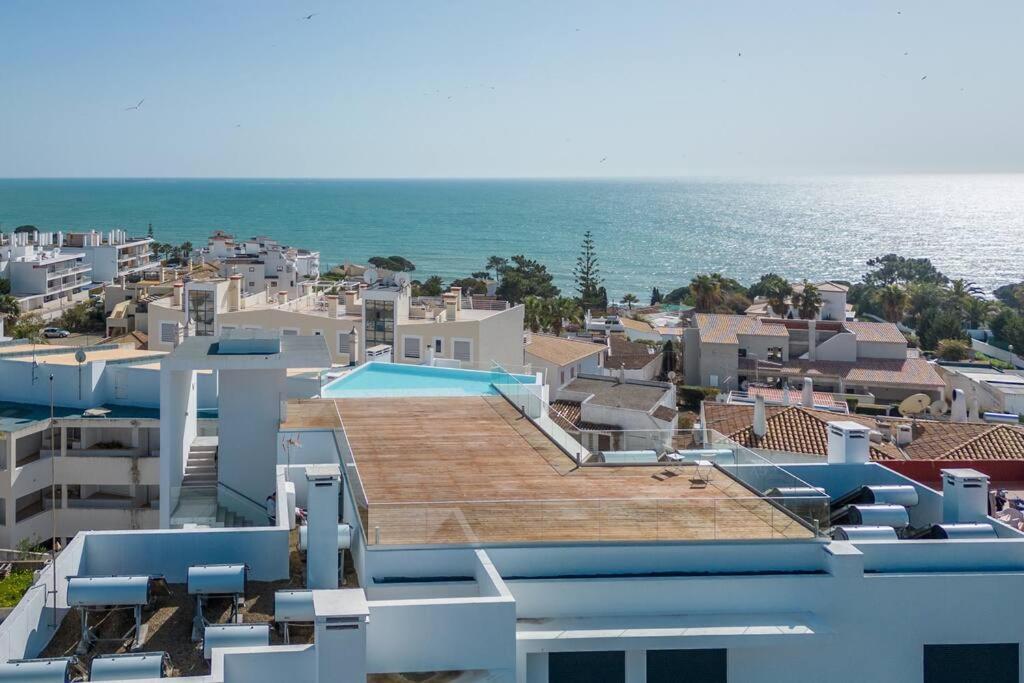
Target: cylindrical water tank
column 344, row 537
column 234, row 635
column 100, row 591
column 864, row 533
column 292, row 606
column 132, row 666
column 216, row 579
column 894, row 494
column 958, row 531
column 880, row 515
column 55, row 670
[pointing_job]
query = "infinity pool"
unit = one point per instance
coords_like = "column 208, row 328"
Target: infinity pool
column 394, row 379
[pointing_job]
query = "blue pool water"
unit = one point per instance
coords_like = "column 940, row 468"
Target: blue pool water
column 393, row 379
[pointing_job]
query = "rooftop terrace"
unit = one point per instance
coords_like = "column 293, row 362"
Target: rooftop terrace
column 487, row 474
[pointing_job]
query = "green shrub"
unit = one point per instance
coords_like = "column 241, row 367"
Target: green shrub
column 14, row 586
column 691, row 396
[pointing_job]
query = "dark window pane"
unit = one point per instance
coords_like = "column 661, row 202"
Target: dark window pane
column 692, row 666
column 587, row 667
column 995, row 663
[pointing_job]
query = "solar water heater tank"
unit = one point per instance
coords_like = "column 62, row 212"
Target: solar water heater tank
column 52, row 670
column 880, row 515
column 103, row 591
column 133, row 666
column 959, row 531
column 216, row 579
column 235, row 635
column 893, row 494
column 864, row 533
column 344, row 536
column 293, row 606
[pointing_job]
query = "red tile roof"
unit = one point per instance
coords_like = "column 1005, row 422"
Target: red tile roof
column 723, row 329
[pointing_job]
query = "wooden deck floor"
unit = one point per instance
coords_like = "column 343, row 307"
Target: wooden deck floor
column 472, row 470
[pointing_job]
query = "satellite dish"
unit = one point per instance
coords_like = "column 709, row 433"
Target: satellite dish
column 671, row 374
column 938, row 408
column 914, row 405
column 80, row 356
column 402, row 279
column 370, row 276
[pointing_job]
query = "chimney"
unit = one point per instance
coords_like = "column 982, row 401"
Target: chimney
column 322, row 535
column 176, row 294
column 785, row 395
column 235, row 293
column 904, row 434
column 808, row 393
column 958, row 413
column 351, row 299
column 849, row 443
column 812, row 340
column 457, row 291
column 964, row 496
column 974, row 411
column 451, row 305
column 332, row 305
column 282, row 296
column 760, row 419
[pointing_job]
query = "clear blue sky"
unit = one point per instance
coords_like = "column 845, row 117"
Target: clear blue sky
column 541, row 88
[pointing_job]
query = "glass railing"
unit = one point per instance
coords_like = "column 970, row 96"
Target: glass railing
column 243, row 506
column 688, row 518
column 529, row 400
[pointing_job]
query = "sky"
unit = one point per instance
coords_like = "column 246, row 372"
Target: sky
column 521, row 88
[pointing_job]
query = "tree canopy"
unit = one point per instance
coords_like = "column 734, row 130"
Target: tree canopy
column 587, row 275
column 525, row 277
column 398, row 264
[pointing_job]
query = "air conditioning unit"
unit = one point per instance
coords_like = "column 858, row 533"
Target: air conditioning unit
column 381, row 353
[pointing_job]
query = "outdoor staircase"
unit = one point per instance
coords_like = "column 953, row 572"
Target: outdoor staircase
column 197, row 501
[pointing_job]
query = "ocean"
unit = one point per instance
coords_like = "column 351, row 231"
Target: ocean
column 648, row 232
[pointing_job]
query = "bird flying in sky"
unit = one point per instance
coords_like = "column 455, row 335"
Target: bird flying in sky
column 136, row 106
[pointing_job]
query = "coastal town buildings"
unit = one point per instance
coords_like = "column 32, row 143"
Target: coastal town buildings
column 43, row 274
column 470, row 535
column 263, row 263
column 728, row 351
column 997, row 391
column 113, row 255
column 562, row 359
column 833, row 303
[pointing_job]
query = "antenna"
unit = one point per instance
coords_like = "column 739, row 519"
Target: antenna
column 370, row 276
column 402, row 279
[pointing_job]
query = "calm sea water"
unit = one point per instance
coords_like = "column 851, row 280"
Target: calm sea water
column 648, row 232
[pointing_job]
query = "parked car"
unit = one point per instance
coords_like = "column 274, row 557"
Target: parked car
column 55, row 333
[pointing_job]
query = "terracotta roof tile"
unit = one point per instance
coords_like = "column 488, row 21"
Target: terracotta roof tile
column 876, row 332
column 723, row 329
column 636, row 325
column 630, row 355
column 560, row 350
column 571, row 412
column 912, row 372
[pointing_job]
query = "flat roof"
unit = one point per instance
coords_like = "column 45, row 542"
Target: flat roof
column 17, row 416
column 615, row 394
column 68, row 357
column 296, row 351
column 472, row 469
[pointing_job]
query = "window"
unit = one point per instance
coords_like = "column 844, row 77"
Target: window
column 572, row 372
column 251, row 283
column 169, row 333
column 438, row 346
column 775, row 354
column 587, row 667
column 201, row 312
column 289, row 331
column 462, row 349
column 992, row 663
column 705, row 666
column 411, row 347
column 318, row 333
column 226, row 328
column 344, row 342
column 379, row 322
column 561, row 377
column 252, row 270
column 743, row 353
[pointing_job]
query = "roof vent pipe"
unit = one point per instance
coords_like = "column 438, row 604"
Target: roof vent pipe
column 808, row 393
column 760, row 420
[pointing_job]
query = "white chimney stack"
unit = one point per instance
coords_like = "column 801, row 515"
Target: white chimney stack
column 235, row 293
column 904, row 434
column 323, row 482
column 808, row 393
column 812, row 340
column 332, row 306
column 760, row 419
column 964, row 496
column 849, row 443
column 176, row 294
column 282, row 296
column 785, row 395
column 958, row 413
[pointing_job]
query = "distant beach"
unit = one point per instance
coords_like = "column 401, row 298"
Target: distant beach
column 648, row 232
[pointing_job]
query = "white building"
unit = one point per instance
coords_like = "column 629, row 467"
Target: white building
column 562, row 359
column 833, row 303
column 997, row 391
column 42, row 273
column 264, row 263
column 113, row 255
column 476, row 543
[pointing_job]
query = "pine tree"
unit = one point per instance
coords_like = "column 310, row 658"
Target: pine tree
column 655, row 296
column 587, row 275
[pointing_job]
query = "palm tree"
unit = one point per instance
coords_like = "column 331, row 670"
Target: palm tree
column 961, row 288
column 707, row 293
column 563, row 311
column 807, row 301
column 629, row 299
column 777, row 292
column 9, row 307
column 533, row 313
column 893, row 300
column 977, row 311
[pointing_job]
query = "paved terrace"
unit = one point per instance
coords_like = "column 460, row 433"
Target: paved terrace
column 468, row 470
